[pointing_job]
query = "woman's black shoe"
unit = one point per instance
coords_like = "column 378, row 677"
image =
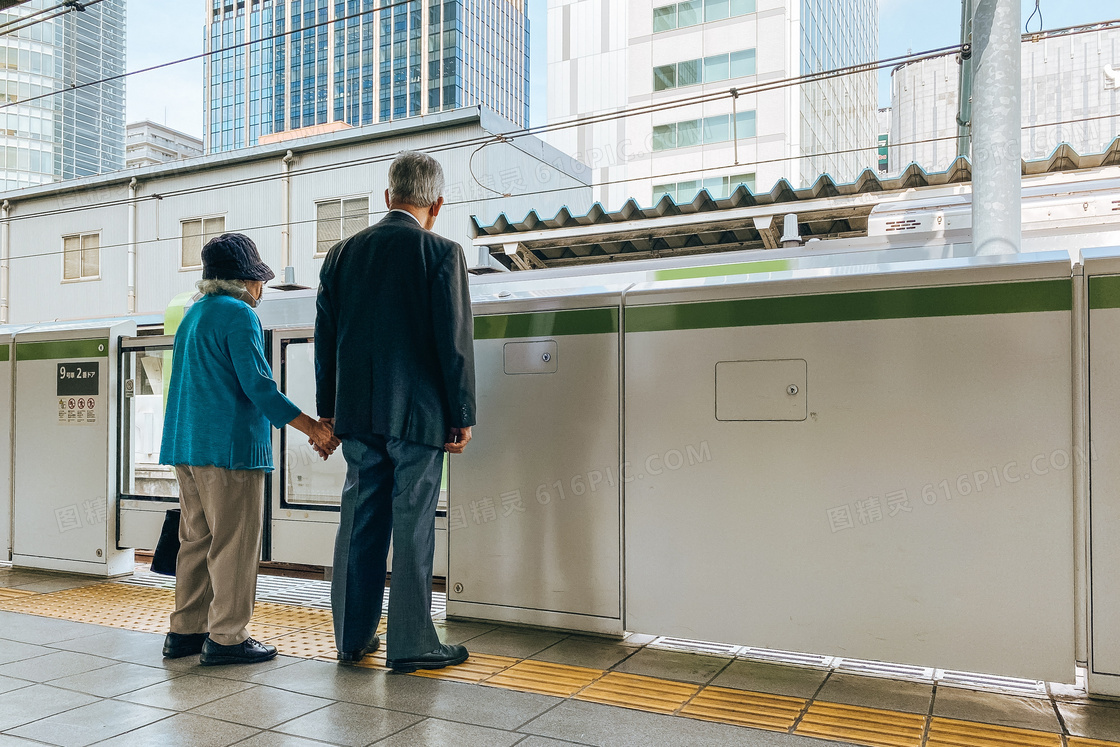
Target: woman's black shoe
column 178, row 645
column 246, row 652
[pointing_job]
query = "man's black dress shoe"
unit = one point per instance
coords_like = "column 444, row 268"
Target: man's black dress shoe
column 444, row 656
column 178, row 645
column 246, row 652
column 352, row 657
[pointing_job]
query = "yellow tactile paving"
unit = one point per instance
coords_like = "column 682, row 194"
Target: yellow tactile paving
column 545, row 678
column 944, row 732
column 744, row 708
column 477, row 668
column 15, row 593
column 1086, row 742
column 640, row 693
column 306, row 644
column 271, row 613
column 868, row 726
column 263, row 632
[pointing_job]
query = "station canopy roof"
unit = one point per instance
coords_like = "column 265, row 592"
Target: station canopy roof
column 743, row 220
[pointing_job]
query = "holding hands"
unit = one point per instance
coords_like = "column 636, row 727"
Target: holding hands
column 320, row 433
column 326, row 442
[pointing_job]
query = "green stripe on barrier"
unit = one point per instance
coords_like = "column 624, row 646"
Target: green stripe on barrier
column 59, row 349
column 5, row 353
column 904, row 303
column 1104, row 292
column 714, row 271
column 546, row 324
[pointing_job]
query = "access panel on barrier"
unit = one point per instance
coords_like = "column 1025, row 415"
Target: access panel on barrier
column 919, row 512
column 534, row 532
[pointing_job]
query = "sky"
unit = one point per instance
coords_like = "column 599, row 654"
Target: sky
column 163, row 30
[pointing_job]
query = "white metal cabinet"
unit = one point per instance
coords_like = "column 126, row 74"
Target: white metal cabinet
column 66, row 477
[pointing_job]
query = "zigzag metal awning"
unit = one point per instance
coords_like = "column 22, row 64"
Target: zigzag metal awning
column 743, row 220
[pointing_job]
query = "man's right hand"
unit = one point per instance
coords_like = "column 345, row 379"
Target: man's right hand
column 457, row 439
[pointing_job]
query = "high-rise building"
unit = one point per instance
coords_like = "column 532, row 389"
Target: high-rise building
column 1070, row 94
column 149, row 143
column 79, row 131
column 607, row 56
column 363, row 65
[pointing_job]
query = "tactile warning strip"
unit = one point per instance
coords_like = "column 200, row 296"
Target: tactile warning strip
column 945, row 732
column 476, row 669
column 867, row 726
column 743, row 708
column 1086, row 742
column 641, row 693
column 545, row 678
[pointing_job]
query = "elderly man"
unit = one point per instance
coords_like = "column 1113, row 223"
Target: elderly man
column 394, row 362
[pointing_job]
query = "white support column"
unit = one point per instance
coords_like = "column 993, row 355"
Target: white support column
column 132, row 185
column 5, row 262
column 997, row 183
column 285, row 214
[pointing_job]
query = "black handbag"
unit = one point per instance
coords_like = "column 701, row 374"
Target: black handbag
column 167, row 549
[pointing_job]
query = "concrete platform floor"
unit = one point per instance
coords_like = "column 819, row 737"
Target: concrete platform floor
column 67, row 681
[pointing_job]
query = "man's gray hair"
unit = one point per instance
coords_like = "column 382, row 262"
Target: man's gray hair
column 415, row 179
column 221, row 287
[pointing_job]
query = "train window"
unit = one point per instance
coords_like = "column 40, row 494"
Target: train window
column 142, row 424
column 308, row 479
column 196, row 232
column 81, row 256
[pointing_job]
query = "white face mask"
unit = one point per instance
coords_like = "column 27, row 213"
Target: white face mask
column 248, row 298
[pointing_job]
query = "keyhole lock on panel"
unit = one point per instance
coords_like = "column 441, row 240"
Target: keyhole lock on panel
column 792, row 390
column 546, row 357
column 458, row 588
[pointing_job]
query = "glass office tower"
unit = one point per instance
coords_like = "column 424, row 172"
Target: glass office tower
column 839, row 114
column 357, row 62
column 76, row 132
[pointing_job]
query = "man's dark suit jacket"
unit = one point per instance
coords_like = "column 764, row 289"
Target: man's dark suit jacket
column 394, row 335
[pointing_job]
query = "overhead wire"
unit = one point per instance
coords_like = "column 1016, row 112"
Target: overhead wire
column 466, row 201
column 20, row 19
column 510, row 135
column 69, row 7
column 562, row 125
column 1037, row 12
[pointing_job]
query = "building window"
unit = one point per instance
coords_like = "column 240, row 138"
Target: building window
column 707, row 70
column 719, row 188
column 196, row 232
column 81, row 256
column 717, row 129
column 695, row 12
column 336, row 220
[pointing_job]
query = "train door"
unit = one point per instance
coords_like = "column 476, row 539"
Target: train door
column 148, row 488
column 306, row 490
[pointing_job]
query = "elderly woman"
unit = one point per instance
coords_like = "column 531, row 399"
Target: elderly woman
column 216, row 433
